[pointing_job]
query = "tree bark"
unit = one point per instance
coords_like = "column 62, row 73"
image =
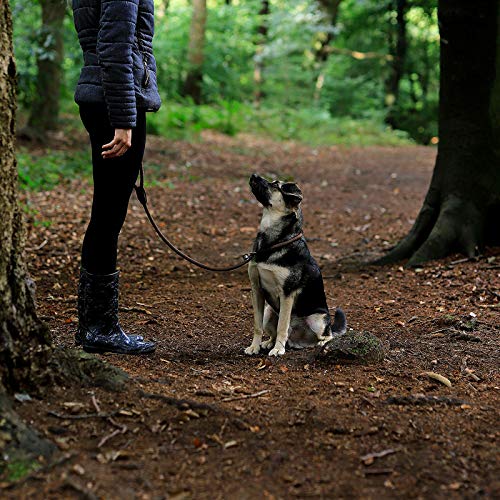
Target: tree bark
column 397, row 67
column 462, row 207
column 23, row 338
column 45, row 108
column 24, row 341
column 194, row 78
column 262, row 32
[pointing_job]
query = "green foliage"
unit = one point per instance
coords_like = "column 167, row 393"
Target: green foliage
column 37, row 172
column 310, row 125
column 18, row 469
column 354, row 76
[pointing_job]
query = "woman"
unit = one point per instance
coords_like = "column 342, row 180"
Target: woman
column 117, row 86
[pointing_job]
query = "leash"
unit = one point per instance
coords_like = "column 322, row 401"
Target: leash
column 143, row 199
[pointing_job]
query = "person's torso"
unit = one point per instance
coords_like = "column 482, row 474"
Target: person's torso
column 87, row 20
column 86, row 15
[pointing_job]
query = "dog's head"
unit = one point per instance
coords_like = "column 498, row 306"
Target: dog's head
column 277, row 197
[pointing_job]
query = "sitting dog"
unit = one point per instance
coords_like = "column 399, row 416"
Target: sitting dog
column 288, row 295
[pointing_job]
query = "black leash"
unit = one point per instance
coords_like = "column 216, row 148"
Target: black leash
column 143, row 199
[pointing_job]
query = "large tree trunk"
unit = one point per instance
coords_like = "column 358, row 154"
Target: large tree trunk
column 397, row 48
column 262, row 32
column 194, row 78
column 22, row 337
column 45, row 108
column 24, row 343
column 462, row 207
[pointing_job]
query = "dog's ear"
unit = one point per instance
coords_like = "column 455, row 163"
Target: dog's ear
column 291, row 194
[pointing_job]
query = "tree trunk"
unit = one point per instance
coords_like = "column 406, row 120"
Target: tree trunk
column 24, row 342
column 45, row 108
column 22, row 337
column 462, row 207
column 321, row 52
column 397, row 67
column 262, row 32
column 194, row 78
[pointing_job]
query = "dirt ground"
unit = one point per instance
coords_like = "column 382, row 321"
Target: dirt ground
column 202, row 420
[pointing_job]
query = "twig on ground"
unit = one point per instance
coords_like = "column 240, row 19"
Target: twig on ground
column 377, row 471
column 466, row 259
column 96, row 404
column 82, row 416
column 369, row 458
column 465, row 336
column 246, row 396
column 136, row 309
column 121, row 430
column 184, row 404
column 38, row 247
column 424, row 400
column 435, row 332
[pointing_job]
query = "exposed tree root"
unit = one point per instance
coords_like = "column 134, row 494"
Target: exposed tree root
column 21, row 446
column 76, row 366
column 455, row 225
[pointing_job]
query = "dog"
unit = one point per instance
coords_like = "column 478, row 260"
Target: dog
column 288, row 295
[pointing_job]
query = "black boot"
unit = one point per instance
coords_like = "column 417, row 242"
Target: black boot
column 98, row 327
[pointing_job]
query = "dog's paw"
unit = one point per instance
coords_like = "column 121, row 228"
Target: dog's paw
column 324, row 340
column 267, row 344
column 253, row 349
column 277, row 351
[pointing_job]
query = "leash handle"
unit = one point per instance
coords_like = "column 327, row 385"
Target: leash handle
column 143, row 199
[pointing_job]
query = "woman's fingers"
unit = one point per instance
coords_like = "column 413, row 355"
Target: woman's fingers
column 110, row 144
column 118, row 149
column 119, row 145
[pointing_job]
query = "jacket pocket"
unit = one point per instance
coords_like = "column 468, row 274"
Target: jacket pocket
column 91, row 75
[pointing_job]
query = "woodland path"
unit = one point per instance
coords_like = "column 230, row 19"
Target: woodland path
column 311, row 431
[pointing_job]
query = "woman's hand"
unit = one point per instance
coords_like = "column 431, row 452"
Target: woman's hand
column 119, row 145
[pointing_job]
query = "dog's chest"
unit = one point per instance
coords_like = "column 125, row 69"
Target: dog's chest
column 272, row 280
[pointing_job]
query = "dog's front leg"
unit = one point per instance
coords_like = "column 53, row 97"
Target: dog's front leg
column 258, row 309
column 286, row 305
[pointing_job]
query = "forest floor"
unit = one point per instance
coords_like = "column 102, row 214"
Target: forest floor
column 253, row 427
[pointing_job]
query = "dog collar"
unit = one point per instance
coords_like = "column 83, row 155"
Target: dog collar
column 272, row 248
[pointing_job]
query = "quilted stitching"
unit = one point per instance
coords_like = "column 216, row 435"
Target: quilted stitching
column 106, row 31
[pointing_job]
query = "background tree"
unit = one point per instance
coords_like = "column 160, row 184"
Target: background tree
column 194, row 78
column 44, row 114
column 397, row 49
column 462, row 207
column 262, row 32
column 322, row 43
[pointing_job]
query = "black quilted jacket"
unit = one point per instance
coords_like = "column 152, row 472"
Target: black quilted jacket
column 116, row 37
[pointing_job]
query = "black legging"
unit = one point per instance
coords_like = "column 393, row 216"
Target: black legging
column 114, row 180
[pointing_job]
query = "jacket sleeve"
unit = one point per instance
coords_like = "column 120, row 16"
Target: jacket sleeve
column 114, row 52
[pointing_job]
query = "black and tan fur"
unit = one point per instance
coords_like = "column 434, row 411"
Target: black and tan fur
column 288, row 295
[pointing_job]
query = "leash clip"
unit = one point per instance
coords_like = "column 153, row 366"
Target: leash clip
column 247, row 257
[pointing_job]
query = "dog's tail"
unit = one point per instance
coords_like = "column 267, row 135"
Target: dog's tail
column 339, row 325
